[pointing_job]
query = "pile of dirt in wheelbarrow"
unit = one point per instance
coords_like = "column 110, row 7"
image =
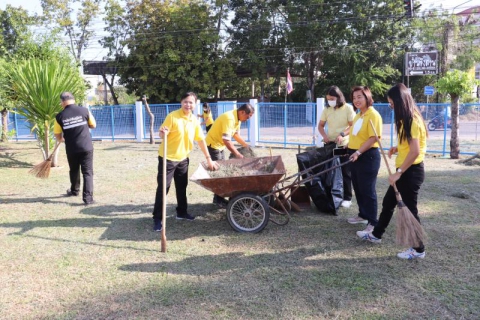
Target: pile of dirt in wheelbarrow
column 232, row 170
column 245, row 152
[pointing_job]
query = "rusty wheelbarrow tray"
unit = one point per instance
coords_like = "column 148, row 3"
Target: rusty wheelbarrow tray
column 247, row 210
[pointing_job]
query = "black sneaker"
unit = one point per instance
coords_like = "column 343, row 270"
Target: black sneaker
column 185, row 216
column 87, row 203
column 71, row 193
column 157, row 225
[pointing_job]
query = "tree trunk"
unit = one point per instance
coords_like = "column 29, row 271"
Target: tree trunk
column 4, row 134
column 112, row 89
column 454, row 138
column 46, row 142
column 152, row 120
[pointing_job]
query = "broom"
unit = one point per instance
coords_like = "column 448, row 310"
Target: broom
column 164, row 195
column 42, row 170
column 409, row 231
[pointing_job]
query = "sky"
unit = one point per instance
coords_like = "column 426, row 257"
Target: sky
column 95, row 53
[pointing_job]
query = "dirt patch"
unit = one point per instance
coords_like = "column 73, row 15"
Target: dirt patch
column 471, row 161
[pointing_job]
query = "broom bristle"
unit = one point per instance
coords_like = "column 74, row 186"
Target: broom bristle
column 42, row 170
column 410, row 232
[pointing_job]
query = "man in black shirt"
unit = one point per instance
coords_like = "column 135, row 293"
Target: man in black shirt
column 72, row 126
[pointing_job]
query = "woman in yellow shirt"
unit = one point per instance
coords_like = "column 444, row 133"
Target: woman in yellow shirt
column 410, row 173
column 207, row 116
column 363, row 150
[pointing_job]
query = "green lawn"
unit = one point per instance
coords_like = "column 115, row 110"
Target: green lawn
column 62, row 260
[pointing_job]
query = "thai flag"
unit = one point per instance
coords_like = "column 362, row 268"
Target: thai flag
column 289, row 83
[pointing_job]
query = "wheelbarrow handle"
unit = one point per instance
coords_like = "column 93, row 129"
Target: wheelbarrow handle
column 302, row 182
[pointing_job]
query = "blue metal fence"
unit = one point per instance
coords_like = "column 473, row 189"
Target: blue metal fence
column 278, row 123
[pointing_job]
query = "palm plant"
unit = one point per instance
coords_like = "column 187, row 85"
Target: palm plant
column 36, row 86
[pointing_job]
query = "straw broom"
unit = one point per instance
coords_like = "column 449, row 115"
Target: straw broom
column 42, row 170
column 409, row 231
column 164, row 196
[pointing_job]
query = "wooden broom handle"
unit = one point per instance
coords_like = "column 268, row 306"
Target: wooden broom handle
column 386, row 161
column 164, row 195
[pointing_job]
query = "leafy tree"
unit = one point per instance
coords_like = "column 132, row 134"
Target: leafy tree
column 366, row 45
column 257, row 40
column 116, row 27
column 78, row 28
column 14, row 24
column 455, row 83
column 172, row 48
column 36, row 85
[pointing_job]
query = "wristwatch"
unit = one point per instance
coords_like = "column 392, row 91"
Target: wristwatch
column 399, row 170
column 342, row 134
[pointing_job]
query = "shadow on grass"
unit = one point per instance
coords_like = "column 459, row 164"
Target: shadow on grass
column 140, row 147
column 7, row 160
column 237, row 261
column 119, row 224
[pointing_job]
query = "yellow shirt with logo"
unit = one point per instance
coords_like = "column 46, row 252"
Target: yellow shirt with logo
column 224, row 127
column 418, row 132
column 337, row 120
column 362, row 130
column 183, row 130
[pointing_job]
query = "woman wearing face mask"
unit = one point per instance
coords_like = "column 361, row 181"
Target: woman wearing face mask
column 338, row 115
column 365, row 156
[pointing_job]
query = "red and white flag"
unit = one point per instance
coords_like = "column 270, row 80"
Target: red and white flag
column 289, row 86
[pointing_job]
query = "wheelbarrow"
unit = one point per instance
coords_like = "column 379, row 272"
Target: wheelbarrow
column 258, row 196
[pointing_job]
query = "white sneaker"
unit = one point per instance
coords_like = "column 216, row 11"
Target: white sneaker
column 357, row 220
column 411, row 254
column 364, row 235
column 346, row 203
column 369, row 228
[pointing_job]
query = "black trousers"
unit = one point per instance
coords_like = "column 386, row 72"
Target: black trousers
column 408, row 185
column 178, row 171
column 83, row 161
column 216, row 155
column 364, row 179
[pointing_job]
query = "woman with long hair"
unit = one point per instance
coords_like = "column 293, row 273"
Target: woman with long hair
column 410, row 173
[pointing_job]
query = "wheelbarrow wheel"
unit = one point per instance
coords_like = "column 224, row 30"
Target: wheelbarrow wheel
column 248, row 212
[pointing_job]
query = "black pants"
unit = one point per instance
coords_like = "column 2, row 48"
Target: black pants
column 364, row 179
column 408, row 185
column 83, row 161
column 178, row 171
column 208, row 128
column 216, row 154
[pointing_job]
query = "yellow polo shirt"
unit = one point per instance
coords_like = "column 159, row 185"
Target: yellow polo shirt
column 224, row 127
column 183, row 130
column 208, row 118
column 418, row 132
column 337, row 120
column 361, row 129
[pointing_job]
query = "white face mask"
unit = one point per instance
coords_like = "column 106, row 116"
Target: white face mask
column 332, row 103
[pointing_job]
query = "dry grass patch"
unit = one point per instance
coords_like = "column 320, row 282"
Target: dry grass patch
column 62, row 260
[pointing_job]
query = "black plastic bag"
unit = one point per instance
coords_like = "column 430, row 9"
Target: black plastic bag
column 326, row 189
